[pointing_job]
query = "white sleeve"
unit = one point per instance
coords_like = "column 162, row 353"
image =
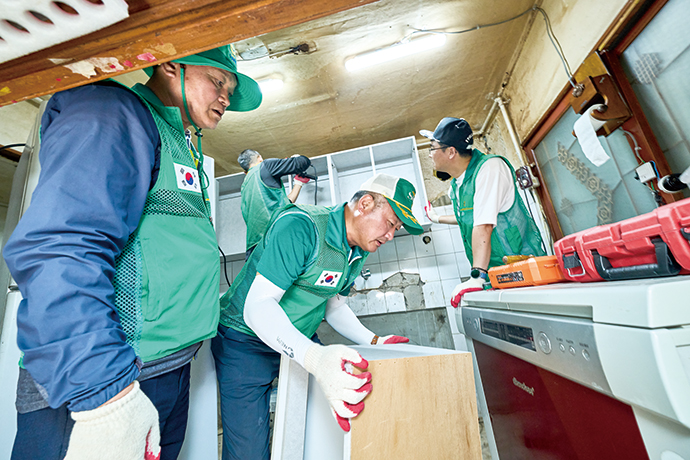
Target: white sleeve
column 494, row 191
column 344, row 321
column 268, row 320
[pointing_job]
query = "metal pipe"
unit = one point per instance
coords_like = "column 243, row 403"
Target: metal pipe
column 489, row 118
column 511, row 130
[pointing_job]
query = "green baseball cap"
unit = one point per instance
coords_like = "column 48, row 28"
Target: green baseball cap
column 247, row 95
column 400, row 194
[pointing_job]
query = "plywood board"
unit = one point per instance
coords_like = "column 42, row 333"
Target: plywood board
column 420, row 408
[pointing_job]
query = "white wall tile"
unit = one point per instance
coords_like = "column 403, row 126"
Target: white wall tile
column 376, row 302
column 409, row 266
column 433, row 294
column 421, row 248
column 395, row 301
column 447, row 266
column 443, row 243
column 374, row 280
column 387, row 252
column 404, row 246
column 448, row 286
column 464, row 266
column 358, row 304
column 456, row 236
column 373, row 258
column 389, row 268
column 428, row 270
column 438, row 227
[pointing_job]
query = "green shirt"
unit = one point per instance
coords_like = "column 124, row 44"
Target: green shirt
column 291, row 245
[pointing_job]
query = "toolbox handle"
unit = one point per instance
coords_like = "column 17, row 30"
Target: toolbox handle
column 573, row 261
column 665, row 265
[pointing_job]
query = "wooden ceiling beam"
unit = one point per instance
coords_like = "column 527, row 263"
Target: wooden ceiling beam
column 156, row 31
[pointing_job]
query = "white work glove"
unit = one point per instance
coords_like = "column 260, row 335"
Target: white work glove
column 345, row 391
column 430, row 213
column 389, row 340
column 471, row 285
column 126, row 429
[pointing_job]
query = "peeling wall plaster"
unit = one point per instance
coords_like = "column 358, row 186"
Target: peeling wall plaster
column 539, row 76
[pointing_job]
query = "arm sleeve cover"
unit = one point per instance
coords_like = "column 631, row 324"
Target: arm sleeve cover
column 268, row 320
column 344, row 321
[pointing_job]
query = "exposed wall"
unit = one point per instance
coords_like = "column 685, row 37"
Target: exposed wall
column 17, row 121
column 539, row 75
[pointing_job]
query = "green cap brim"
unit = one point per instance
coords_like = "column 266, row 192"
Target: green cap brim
column 406, row 217
column 247, row 95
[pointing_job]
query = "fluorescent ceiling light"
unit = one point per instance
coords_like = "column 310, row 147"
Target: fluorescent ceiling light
column 270, row 84
column 395, row 51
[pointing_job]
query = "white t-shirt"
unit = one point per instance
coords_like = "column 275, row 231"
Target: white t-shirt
column 494, row 191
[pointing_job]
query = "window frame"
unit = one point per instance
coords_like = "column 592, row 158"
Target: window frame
column 616, row 40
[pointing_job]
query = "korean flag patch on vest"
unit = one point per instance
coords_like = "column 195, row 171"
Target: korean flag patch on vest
column 187, row 178
column 328, row 279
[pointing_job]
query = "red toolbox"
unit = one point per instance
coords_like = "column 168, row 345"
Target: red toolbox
column 647, row 246
column 572, row 261
column 675, row 221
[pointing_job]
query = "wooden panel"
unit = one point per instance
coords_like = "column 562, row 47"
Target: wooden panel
column 156, row 31
column 420, row 408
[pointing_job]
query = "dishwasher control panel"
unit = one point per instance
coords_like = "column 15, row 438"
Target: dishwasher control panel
column 560, row 344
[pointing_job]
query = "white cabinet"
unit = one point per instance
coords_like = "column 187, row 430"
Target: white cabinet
column 339, row 175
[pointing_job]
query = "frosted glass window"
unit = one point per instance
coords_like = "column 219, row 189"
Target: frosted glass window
column 657, row 64
column 585, row 195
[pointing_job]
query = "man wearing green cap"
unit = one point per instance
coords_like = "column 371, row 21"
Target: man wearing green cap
column 298, row 274
column 117, row 261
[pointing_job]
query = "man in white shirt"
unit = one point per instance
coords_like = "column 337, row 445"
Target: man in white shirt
column 494, row 221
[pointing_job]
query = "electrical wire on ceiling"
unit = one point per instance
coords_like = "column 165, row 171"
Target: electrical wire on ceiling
column 301, row 48
column 549, row 31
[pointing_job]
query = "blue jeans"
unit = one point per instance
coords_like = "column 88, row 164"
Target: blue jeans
column 44, row 434
column 245, row 367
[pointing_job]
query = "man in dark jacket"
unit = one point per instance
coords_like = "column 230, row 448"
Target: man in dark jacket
column 117, row 261
column 263, row 191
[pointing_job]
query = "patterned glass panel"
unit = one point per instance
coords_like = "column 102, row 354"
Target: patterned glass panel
column 583, row 194
column 657, row 64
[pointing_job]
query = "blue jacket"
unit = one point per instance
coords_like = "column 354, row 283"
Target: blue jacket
column 99, row 157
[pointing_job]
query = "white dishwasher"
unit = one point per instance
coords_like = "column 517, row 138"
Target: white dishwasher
column 585, row 370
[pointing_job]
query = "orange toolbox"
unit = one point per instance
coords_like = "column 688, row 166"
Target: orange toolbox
column 533, row 271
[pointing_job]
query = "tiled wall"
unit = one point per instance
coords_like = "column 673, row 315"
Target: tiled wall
column 440, row 264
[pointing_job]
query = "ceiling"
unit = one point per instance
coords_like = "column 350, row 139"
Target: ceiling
column 323, row 108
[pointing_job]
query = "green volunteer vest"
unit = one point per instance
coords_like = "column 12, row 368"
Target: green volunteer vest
column 515, row 231
column 258, row 204
column 305, row 301
column 167, row 277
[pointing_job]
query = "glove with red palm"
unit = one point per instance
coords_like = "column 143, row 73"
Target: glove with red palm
column 344, row 391
column 389, row 340
column 471, row 285
column 302, row 179
column 430, row 213
column 126, row 429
